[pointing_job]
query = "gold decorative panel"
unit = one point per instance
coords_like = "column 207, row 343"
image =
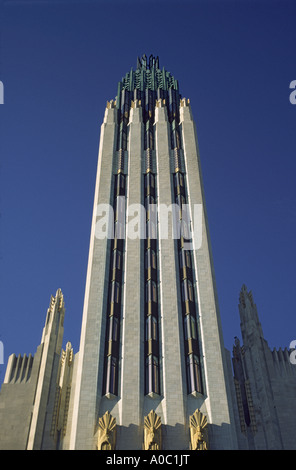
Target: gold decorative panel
column 152, row 431
column 198, row 431
column 107, row 432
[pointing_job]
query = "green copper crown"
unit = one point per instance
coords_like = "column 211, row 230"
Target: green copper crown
column 149, row 76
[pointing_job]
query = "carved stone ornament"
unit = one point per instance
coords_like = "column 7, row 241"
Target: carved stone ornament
column 111, row 104
column 107, row 432
column 198, row 431
column 152, row 431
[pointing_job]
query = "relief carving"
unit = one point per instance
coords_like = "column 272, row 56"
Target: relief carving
column 152, row 431
column 198, row 431
column 107, row 432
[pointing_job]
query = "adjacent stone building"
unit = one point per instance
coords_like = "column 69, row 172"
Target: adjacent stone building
column 151, row 371
column 265, row 383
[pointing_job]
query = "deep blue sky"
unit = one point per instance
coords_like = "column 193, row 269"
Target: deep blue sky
column 60, row 62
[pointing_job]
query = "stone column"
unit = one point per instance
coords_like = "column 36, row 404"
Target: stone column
column 212, row 345
column 88, row 381
column 132, row 377
column 173, row 371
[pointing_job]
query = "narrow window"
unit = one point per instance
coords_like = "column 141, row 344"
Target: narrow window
column 115, row 291
column 187, row 258
column 149, row 182
column 119, row 185
column 190, row 290
column 197, row 373
column 122, row 181
column 181, row 179
column 184, row 290
column 186, row 327
column 154, row 292
column 193, row 327
column 154, row 328
column 152, row 180
column 118, row 259
column 111, row 379
column 184, row 257
column 193, row 374
column 148, row 374
column 190, row 374
column 150, row 259
column 148, row 328
column 152, row 374
column 110, row 328
column 151, row 328
column 153, row 259
column 155, row 375
column 189, row 327
column 115, row 329
column 148, row 295
column 151, row 291
column 150, row 207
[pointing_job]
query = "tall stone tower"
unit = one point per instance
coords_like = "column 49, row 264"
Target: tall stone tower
column 34, row 396
column 151, row 371
column 265, row 384
column 151, row 364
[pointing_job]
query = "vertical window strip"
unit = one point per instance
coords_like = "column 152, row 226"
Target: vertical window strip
column 110, row 382
column 188, row 307
column 152, row 371
column 194, row 383
column 151, row 302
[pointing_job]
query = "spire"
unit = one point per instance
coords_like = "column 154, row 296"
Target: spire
column 52, row 338
column 143, row 63
column 250, row 323
column 55, row 314
column 246, row 296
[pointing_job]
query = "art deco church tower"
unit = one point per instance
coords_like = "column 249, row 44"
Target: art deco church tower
column 151, row 371
column 151, row 353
